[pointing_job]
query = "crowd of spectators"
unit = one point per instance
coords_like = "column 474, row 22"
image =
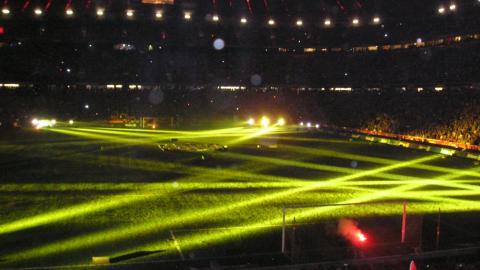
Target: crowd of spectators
column 465, row 128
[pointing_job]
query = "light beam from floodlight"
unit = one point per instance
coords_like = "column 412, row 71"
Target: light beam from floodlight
column 265, row 122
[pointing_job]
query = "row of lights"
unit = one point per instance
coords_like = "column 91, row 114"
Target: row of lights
column 42, row 123
column 188, row 15
column 265, row 122
column 100, row 12
column 309, row 125
column 442, row 9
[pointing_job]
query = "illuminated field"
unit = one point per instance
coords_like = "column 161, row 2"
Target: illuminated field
column 72, row 193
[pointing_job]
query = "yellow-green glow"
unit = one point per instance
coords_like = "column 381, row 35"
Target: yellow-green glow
column 73, row 211
column 194, row 215
column 353, row 184
column 348, row 156
column 265, row 121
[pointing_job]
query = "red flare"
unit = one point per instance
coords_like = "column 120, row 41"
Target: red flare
column 361, row 237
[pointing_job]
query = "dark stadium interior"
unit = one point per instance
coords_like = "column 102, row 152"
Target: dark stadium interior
column 150, row 92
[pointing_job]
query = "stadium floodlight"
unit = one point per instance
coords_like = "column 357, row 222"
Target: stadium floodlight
column 187, row 16
column 265, row 122
column 251, row 121
column 281, row 121
column 309, row 124
column 158, row 14
column 355, row 21
column 100, row 12
column 5, row 11
column 317, row 126
column 376, row 20
column 215, row 18
column 327, row 22
column 299, row 22
column 243, row 20
column 70, row 122
column 301, row 124
column 441, row 10
column 41, row 123
column 129, row 12
column 452, row 7
column 271, row 22
column 69, row 12
column 38, row 11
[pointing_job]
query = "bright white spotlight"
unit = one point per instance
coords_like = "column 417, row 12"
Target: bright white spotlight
column 215, row 18
column 299, row 22
column 70, row 122
column 317, row 126
column 271, row 22
column 251, row 122
column 53, row 122
column 187, row 16
column 302, row 124
column 452, row 7
column 69, row 12
column 265, row 121
column 309, row 124
column 129, row 13
column 441, row 10
column 100, row 12
column 158, row 14
column 327, row 22
column 5, row 11
column 376, row 20
column 38, row 11
column 355, row 21
column 281, row 121
column 243, row 20
column 35, row 121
